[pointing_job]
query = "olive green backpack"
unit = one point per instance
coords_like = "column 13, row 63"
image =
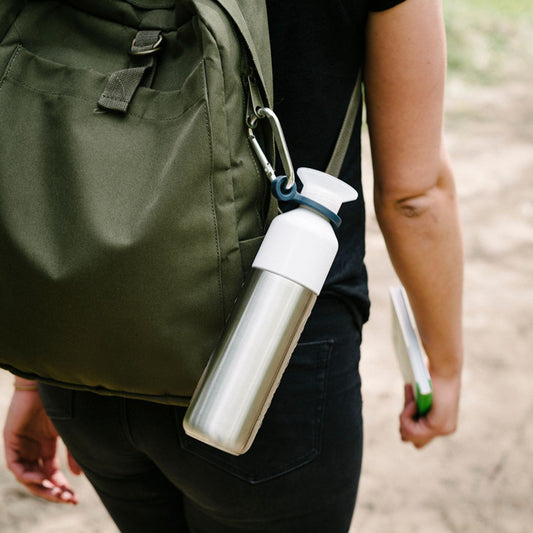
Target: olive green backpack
column 131, row 200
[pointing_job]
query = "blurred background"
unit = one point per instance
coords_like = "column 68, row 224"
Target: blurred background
column 481, row 478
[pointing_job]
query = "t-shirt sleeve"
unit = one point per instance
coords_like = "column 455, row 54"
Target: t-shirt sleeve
column 382, row 5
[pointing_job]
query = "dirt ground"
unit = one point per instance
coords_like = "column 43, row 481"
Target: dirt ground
column 480, row 479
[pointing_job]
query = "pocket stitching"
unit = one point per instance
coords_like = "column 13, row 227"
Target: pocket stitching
column 21, row 83
column 224, row 463
column 10, row 65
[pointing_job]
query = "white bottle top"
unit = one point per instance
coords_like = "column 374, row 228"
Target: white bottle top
column 300, row 245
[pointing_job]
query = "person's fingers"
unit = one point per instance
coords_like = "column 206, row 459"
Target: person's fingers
column 412, row 428
column 73, row 465
column 55, row 476
column 417, row 431
column 54, row 489
column 407, row 416
column 47, row 490
column 42, row 479
column 24, row 469
column 27, row 474
column 408, row 394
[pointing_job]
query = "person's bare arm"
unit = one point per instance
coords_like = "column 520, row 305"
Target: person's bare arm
column 414, row 193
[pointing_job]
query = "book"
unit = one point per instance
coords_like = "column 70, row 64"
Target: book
column 409, row 350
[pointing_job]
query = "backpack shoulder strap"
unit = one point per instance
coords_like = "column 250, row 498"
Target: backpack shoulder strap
column 250, row 17
column 345, row 134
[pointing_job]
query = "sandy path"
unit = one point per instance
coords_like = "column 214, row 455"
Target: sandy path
column 481, row 479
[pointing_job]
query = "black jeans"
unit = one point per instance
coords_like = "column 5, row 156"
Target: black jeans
column 301, row 474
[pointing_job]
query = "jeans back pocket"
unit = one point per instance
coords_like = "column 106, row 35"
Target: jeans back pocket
column 291, row 433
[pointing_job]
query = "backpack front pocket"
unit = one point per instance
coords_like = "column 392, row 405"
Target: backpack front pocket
column 105, row 216
column 124, row 236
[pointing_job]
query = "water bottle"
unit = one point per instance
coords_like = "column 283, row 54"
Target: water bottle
column 288, row 273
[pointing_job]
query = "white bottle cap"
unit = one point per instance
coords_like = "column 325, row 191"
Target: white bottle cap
column 300, row 245
column 325, row 189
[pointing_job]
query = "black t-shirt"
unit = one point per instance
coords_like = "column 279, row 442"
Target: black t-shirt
column 318, row 47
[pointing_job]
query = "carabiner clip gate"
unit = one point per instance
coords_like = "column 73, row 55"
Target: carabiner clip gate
column 281, row 144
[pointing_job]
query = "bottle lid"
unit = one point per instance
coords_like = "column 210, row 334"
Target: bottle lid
column 325, row 189
column 321, row 192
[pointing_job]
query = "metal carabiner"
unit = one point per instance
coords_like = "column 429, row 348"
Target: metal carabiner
column 283, row 150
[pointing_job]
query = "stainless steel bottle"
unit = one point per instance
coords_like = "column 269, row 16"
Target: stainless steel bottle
column 288, row 272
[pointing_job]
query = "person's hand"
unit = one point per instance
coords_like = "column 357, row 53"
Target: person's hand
column 440, row 420
column 30, row 441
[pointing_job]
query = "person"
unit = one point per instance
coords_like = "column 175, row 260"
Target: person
column 302, row 472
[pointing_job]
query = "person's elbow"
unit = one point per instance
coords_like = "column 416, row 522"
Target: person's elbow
column 417, row 194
